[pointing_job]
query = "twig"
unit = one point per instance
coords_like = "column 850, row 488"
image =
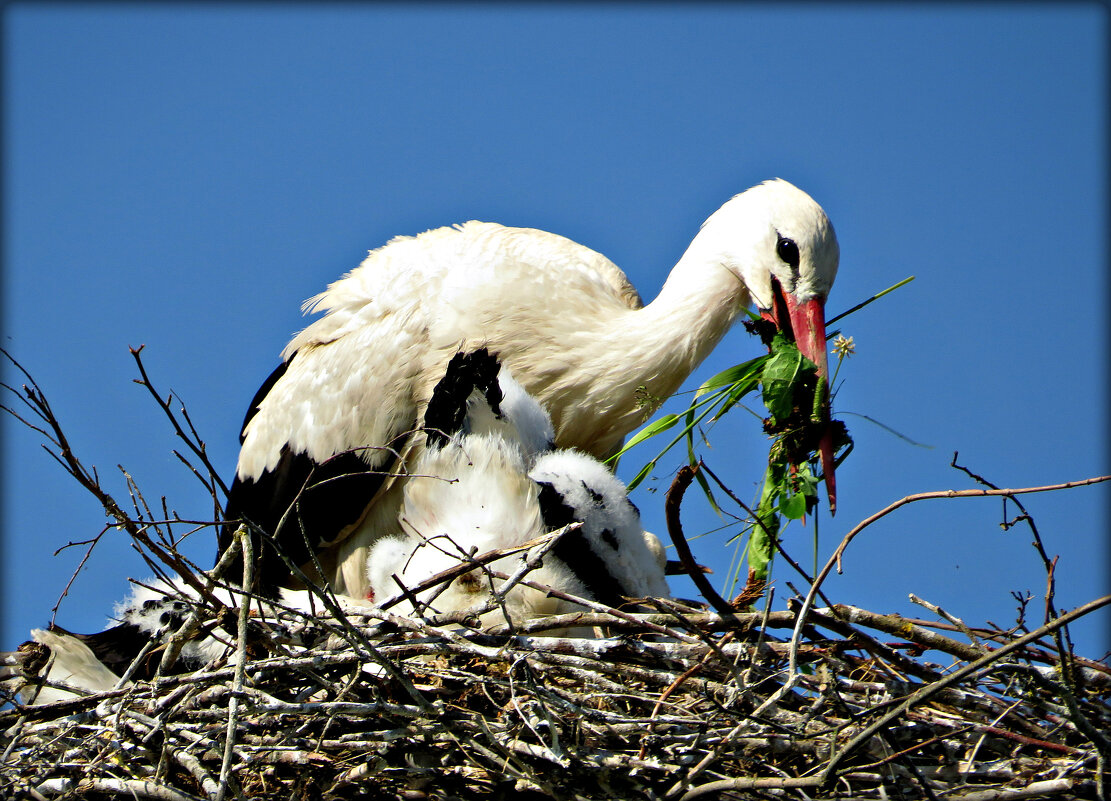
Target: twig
column 675, row 528
column 956, row 621
column 194, row 442
column 240, row 661
column 134, row 788
column 955, row 676
column 808, row 602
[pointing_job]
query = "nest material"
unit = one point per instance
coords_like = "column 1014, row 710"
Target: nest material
column 679, row 703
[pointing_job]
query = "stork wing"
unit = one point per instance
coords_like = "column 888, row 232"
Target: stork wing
column 304, row 507
column 335, row 419
column 319, row 440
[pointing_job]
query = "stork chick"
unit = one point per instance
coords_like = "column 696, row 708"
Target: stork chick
column 482, row 484
column 69, row 664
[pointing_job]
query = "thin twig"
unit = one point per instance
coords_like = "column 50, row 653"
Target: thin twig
column 193, row 442
column 672, row 505
column 240, row 661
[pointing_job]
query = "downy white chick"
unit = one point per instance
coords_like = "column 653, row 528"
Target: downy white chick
column 488, row 480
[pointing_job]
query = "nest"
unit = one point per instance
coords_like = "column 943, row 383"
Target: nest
column 678, row 700
column 676, row 703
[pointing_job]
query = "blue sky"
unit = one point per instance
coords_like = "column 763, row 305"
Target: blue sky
column 183, row 176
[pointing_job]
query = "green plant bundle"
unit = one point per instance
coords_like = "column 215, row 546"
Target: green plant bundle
column 798, row 404
column 797, row 399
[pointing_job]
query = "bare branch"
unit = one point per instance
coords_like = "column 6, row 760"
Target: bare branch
column 675, row 528
column 191, row 440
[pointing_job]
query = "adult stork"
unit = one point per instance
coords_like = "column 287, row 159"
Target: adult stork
column 335, row 424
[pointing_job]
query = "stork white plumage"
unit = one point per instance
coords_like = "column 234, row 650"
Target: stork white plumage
column 91, row 663
column 331, row 428
column 62, row 664
column 487, row 480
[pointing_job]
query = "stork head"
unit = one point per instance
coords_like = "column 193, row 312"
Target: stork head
column 782, row 247
column 776, row 233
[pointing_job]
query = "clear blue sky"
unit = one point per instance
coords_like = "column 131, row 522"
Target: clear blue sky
column 183, row 176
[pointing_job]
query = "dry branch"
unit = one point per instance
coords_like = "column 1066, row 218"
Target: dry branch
column 569, row 718
column 682, row 702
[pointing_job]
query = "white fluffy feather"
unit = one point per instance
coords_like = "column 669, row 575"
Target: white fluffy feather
column 611, row 524
column 470, row 497
column 160, row 607
column 480, row 493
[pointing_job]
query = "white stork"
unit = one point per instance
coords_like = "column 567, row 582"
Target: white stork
column 330, row 429
column 68, row 664
column 91, row 663
column 488, row 480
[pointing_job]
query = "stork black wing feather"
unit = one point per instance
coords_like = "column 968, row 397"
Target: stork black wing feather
column 447, row 408
column 117, row 647
column 301, row 505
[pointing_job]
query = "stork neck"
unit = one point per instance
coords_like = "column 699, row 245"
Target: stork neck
column 660, row 346
column 697, row 305
column 624, row 364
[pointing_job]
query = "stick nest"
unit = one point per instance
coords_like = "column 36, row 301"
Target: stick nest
column 677, row 703
column 674, row 703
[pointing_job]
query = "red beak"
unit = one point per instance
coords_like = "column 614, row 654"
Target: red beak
column 806, row 321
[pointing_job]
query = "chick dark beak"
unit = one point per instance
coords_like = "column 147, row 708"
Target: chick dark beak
column 806, row 323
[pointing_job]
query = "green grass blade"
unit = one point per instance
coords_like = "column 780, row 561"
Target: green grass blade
column 875, row 297
column 640, row 476
column 733, row 375
column 652, row 429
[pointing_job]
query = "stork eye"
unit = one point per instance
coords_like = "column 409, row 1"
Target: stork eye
column 787, row 250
